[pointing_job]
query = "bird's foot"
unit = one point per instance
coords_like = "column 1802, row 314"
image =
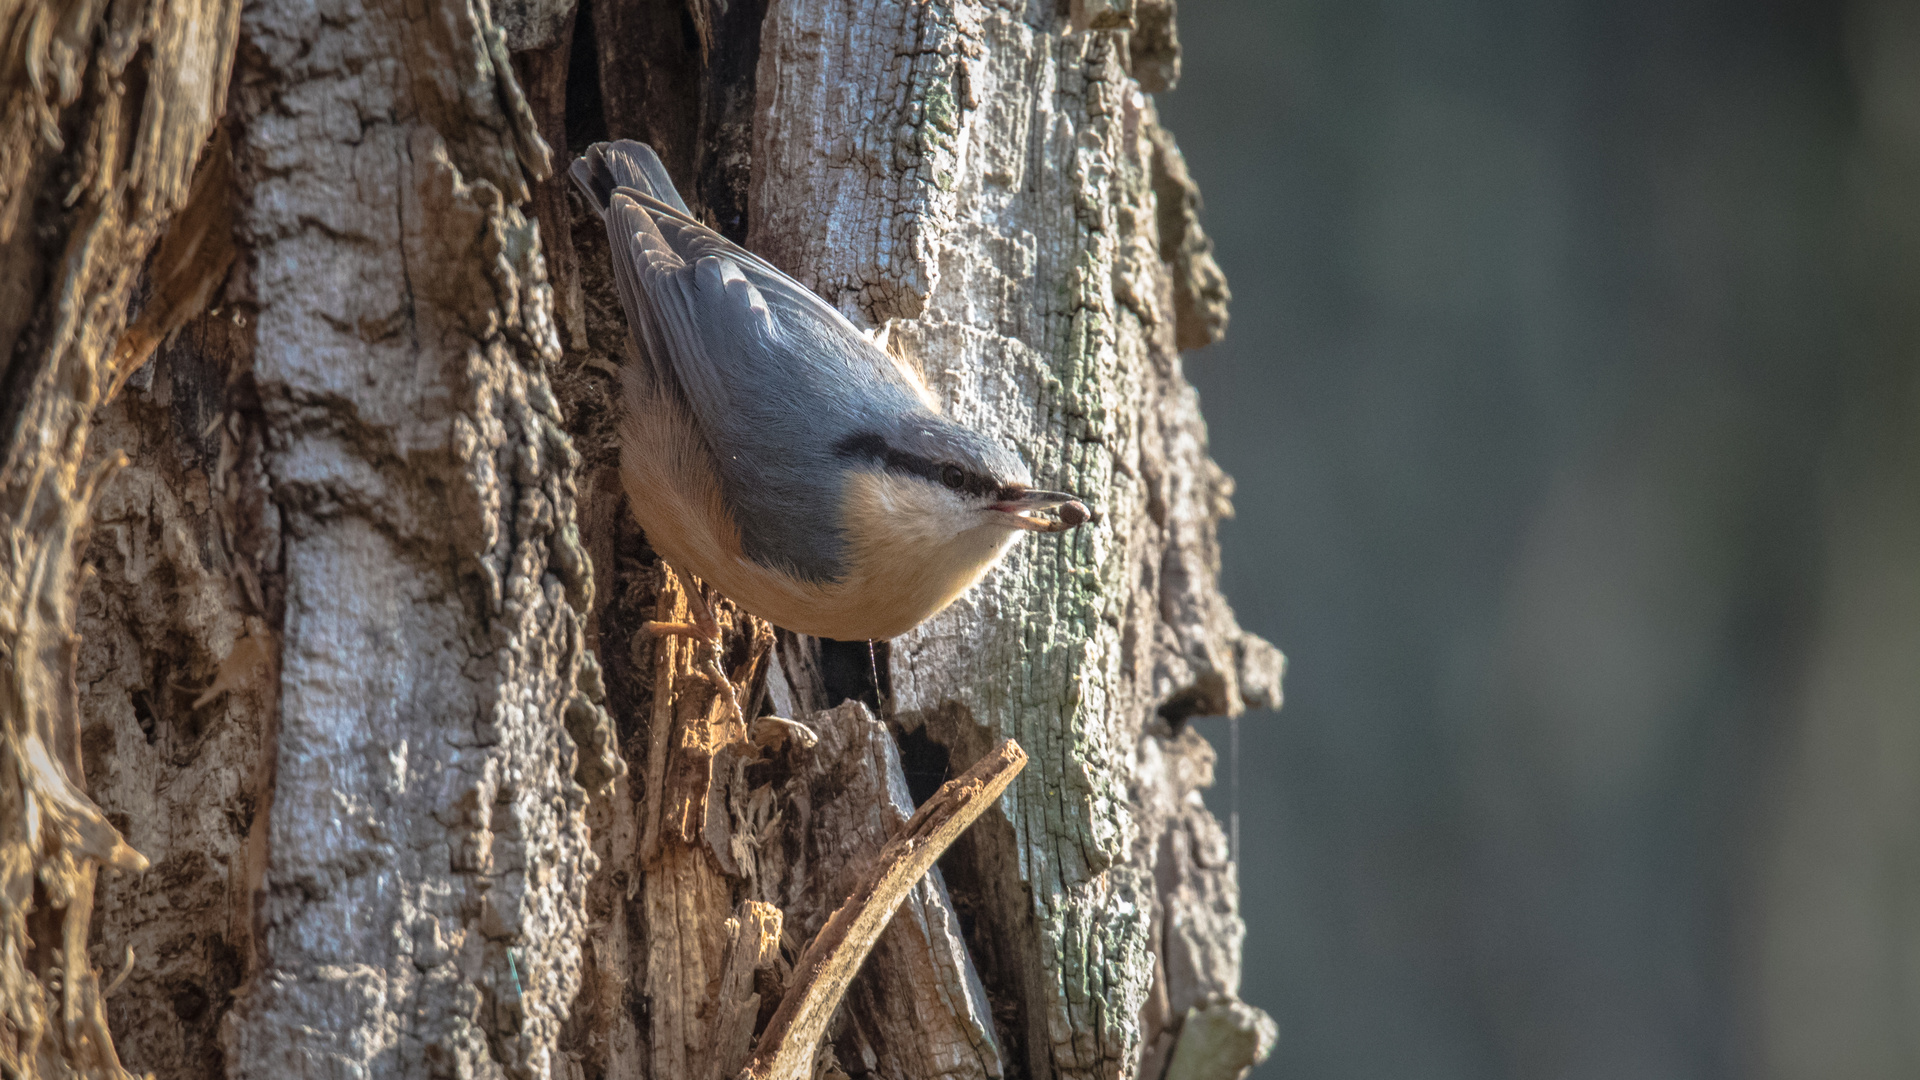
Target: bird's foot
column 703, row 626
column 710, row 670
column 692, row 630
column 661, row 628
column 708, row 666
column 769, row 732
column 700, row 623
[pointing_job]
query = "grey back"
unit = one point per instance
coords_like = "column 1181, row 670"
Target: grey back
column 774, row 377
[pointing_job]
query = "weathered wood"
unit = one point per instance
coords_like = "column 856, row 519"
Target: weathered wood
column 1197, row 932
column 178, row 667
column 190, row 261
column 1220, row 1041
column 688, row 898
column 607, row 1030
column 421, row 907
column 344, row 741
column 755, row 948
column 103, row 115
column 786, row 1048
column 996, row 193
column 917, row 1007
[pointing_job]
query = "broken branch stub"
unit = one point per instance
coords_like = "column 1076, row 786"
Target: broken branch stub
column 786, row 1048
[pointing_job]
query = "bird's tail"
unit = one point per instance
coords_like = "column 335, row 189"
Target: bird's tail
column 624, row 164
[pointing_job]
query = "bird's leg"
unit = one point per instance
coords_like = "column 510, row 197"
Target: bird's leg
column 703, row 618
column 703, row 627
column 701, row 623
column 770, row 731
column 711, row 669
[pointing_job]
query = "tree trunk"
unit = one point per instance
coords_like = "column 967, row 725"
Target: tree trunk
column 1003, row 194
column 346, row 676
column 107, row 108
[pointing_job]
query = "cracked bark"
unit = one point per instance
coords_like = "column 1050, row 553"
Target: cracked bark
column 333, row 675
column 1004, row 194
column 996, row 196
column 107, row 109
column 359, row 663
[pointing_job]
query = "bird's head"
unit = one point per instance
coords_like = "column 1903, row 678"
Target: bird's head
column 935, row 481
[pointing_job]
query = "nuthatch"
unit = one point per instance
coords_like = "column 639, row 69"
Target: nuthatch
column 776, row 452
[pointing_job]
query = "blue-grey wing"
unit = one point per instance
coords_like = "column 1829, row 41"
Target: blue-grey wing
column 712, row 312
column 774, row 377
column 793, row 330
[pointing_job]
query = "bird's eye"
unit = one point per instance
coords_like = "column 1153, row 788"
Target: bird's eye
column 953, row 477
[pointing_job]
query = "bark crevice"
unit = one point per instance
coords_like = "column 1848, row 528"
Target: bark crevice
column 362, row 658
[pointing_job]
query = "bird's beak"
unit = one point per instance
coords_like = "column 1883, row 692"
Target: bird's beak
column 1022, row 507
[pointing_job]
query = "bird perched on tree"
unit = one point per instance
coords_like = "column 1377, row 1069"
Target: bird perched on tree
column 773, row 450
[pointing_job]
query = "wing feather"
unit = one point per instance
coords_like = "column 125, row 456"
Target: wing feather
column 761, row 365
column 607, row 167
column 729, row 330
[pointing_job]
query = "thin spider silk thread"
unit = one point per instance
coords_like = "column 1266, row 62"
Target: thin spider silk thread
column 1233, row 789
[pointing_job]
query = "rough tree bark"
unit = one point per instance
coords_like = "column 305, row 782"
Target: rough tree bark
column 1002, row 194
column 360, row 664
column 107, row 108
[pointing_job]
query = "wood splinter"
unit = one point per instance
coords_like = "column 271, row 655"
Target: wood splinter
column 786, row 1048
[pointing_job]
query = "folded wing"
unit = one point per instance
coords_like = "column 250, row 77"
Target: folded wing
column 720, row 324
column 774, row 378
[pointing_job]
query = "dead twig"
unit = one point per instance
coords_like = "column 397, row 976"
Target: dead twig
column 785, row 1050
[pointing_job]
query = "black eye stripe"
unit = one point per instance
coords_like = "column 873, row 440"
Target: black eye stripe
column 873, row 447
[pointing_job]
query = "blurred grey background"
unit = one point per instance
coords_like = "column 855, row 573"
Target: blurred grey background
column 1571, row 394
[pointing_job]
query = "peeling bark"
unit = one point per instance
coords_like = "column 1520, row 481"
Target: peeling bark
column 420, row 906
column 835, row 955
column 363, row 662
column 106, row 112
column 1004, row 195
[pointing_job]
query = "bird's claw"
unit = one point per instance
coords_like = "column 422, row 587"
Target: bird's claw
column 770, row 731
column 659, row 628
